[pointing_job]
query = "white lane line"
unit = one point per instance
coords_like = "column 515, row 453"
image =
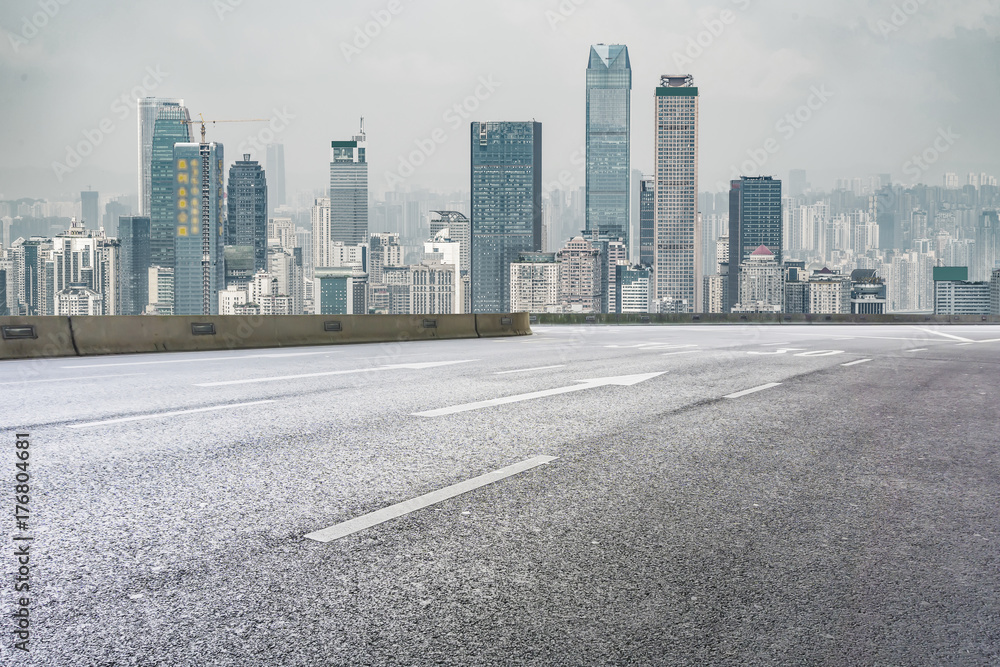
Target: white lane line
column 668, row 354
column 769, row 385
column 946, row 335
column 160, row 415
column 773, row 344
column 240, row 357
column 991, row 340
column 73, row 379
column 525, row 370
column 373, row 369
column 917, row 349
column 420, row 502
column 963, row 344
column 624, row 381
column 855, row 363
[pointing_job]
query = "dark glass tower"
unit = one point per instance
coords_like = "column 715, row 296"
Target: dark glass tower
column 198, row 228
column 246, row 200
column 754, row 221
column 274, row 165
column 506, row 206
column 647, row 221
column 133, row 276
column 609, row 90
column 170, row 129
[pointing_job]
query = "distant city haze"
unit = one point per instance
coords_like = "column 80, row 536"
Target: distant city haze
column 842, row 90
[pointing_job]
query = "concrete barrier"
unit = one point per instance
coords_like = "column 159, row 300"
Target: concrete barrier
column 35, row 337
column 85, row 336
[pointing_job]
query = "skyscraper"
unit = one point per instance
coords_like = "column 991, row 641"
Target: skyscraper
column 89, row 209
column 172, row 126
column 609, row 90
column 274, row 166
column 678, row 272
column 349, row 190
column 148, row 110
column 246, row 200
column 506, row 208
column 199, row 233
column 647, row 221
column 754, row 220
column 133, row 279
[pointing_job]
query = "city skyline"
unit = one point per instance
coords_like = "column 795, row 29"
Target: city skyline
column 797, row 78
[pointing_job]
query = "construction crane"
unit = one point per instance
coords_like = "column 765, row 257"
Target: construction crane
column 201, row 120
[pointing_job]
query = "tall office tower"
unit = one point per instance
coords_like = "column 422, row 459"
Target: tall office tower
column 246, row 200
column 133, row 278
column 459, row 230
column 89, row 209
column 172, row 126
column 349, row 190
column 274, row 165
column 506, row 206
column 199, row 231
column 148, row 110
column 609, row 91
column 797, row 184
column 647, row 221
column 677, row 267
column 754, row 220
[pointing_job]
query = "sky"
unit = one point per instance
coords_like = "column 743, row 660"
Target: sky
column 840, row 89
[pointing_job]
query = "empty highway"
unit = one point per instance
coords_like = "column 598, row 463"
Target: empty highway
column 654, row 495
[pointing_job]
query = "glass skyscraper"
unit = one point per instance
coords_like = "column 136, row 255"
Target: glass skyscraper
column 349, row 191
column 506, row 206
column 246, row 201
column 148, row 108
column 133, row 278
column 172, row 126
column 609, row 91
column 678, row 272
column 647, row 221
column 274, row 165
column 199, row 236
column 754, row 220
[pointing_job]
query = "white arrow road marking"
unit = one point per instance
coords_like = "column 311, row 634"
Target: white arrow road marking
column 417, row 366
column 426, row 500
column 947, row 335
column 168, row 414
column 754, row 390
column 624, row 381
column 783, row 350
column 525, row 370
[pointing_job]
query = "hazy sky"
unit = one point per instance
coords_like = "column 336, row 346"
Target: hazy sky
column 886, row 80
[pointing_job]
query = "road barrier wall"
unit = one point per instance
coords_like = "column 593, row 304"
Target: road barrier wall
column 27, row 337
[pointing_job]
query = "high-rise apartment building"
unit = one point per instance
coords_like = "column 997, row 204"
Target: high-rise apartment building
column 609, row 91
column 506, row 209
column 677, row 267
column 172, row 126
column 198, row 227
column 534, row 283
column 754, row 220
column 148, row 109
column 274, row 165
column 349, row 190
column 246, row 201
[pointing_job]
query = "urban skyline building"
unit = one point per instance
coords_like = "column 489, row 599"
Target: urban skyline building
column 755, row 220
column 172, row 126
column 677, row 265
column 133, row 234
column 246, row 202
column 147, row 111
column 349, row 190
column 274, row 167
column 609, row 91
column 647, row 221
column 89, row 208
column 506, row 191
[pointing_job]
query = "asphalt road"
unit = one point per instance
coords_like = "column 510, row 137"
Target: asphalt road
column 847, row 512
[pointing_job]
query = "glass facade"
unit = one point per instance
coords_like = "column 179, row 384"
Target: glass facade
column 506, row 206
column 609, row 90
column 170, row 128
column 647, row 221
column 148, row 109
column 198, row 228
column 754, row 220
column 133, row 279
column 246, row 201
column 349, row 191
